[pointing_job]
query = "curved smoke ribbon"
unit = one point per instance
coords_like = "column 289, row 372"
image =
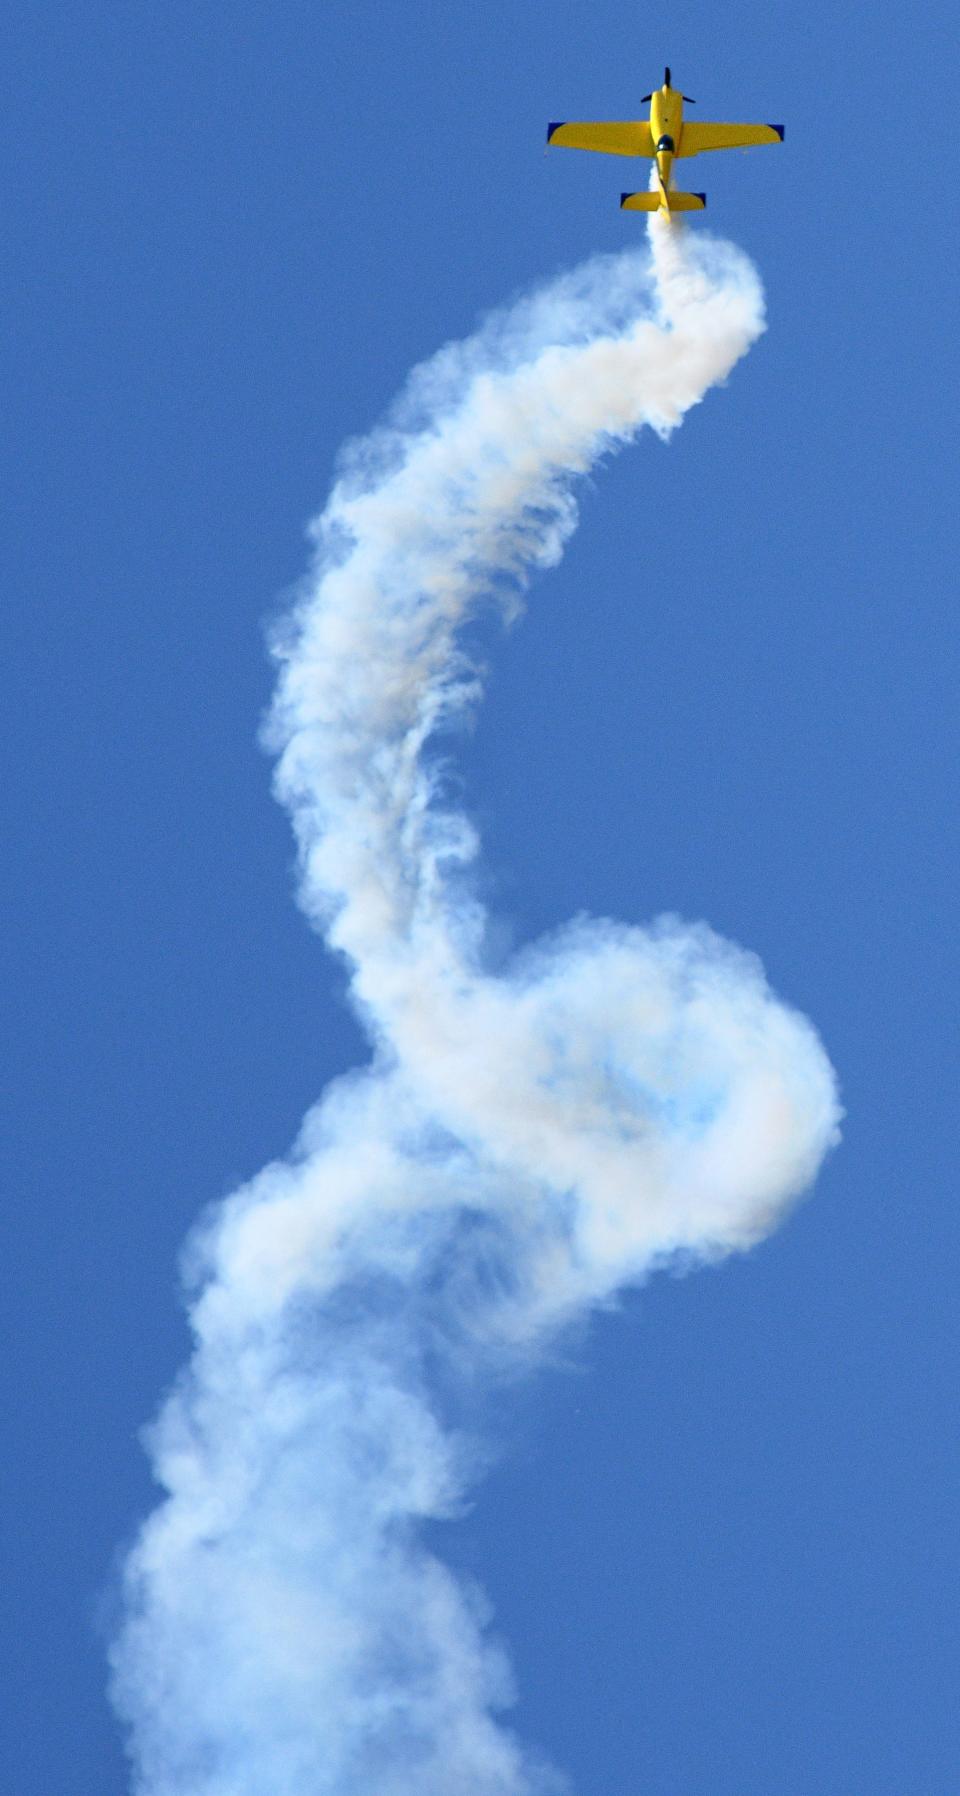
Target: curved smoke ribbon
column 521, row 1144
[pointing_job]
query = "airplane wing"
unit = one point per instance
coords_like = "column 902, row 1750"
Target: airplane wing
column 702, row 136
column 626, row 137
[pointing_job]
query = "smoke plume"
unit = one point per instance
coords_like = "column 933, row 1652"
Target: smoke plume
column 522, row 1144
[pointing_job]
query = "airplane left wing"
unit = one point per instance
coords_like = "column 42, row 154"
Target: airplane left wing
column 624, row 137
column 702, row 136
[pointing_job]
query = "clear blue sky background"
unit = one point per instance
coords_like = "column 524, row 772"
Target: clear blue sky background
column 722, row 1544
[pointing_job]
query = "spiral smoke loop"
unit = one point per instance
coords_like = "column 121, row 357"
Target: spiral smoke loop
column 522, row 1144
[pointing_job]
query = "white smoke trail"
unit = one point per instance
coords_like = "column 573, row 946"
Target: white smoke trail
column 521, row 1145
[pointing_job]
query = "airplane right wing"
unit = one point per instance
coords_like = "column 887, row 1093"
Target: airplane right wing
column 626, row 137
column 699, row 135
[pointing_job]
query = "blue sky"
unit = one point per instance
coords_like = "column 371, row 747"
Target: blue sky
column 720, row 1540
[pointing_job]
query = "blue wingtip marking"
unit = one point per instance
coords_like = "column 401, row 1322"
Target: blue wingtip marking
column 554, row 127
column 779, row 131
column 701, row 197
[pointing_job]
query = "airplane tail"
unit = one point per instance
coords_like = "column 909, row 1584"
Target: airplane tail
column 652, row 202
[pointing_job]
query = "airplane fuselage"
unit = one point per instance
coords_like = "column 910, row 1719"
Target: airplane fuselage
column 666, row 124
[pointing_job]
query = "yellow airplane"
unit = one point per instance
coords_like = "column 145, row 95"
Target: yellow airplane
column 664, row 137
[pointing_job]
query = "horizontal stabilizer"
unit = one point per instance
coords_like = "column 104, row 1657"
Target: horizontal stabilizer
column 653, row 202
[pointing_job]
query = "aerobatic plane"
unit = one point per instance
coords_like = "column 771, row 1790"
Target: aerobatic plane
column 665, row 136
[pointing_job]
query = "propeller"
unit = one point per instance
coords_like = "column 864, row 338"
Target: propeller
column 688, row 98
